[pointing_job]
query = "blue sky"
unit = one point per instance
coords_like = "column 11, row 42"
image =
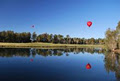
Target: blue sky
column 60, row 16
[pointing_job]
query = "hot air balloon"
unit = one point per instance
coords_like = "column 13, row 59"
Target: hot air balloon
column 88, row 66
column 33, row 26
column 89, row 23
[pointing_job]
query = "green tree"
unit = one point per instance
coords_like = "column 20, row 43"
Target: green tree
column 111, row 39
column 34, row 36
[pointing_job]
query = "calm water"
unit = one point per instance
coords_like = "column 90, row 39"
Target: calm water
column 58, row 65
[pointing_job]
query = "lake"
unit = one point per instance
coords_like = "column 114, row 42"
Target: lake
column 74, row 64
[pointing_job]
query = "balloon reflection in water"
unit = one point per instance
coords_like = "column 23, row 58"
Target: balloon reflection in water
column 88, row 66
column 31, row 60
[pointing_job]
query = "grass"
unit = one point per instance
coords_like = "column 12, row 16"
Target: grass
column 45, row 45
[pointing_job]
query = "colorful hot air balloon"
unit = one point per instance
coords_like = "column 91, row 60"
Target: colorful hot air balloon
column 88, row 66
column 89, row 23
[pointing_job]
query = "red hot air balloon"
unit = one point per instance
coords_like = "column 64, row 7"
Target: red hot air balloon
column 33, row 26
column 89, row 23
column 88, row 66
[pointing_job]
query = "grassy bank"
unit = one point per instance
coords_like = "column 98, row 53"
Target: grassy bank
column 45, row 45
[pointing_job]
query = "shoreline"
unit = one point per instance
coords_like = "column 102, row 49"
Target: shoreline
column 46, row 45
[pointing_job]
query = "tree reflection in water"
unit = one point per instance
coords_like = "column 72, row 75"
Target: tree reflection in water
column 112, row 60
column 112, row 63
column 26, row 52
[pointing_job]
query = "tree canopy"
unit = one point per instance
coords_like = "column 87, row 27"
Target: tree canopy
column 112, row 40
column 24, row 37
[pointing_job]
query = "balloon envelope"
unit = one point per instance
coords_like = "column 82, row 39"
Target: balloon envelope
column 88, row 66
column 89, row 23
column 33, row 26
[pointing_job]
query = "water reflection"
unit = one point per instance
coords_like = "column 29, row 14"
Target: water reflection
column 26, row 52
column 31, row 60
column 10, row 52
column 112, row 63
column 111, row 60
column 88, row 66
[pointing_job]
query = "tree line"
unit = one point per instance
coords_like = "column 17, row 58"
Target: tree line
column 11, row 36
column 25, row 37
column 112, row 40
